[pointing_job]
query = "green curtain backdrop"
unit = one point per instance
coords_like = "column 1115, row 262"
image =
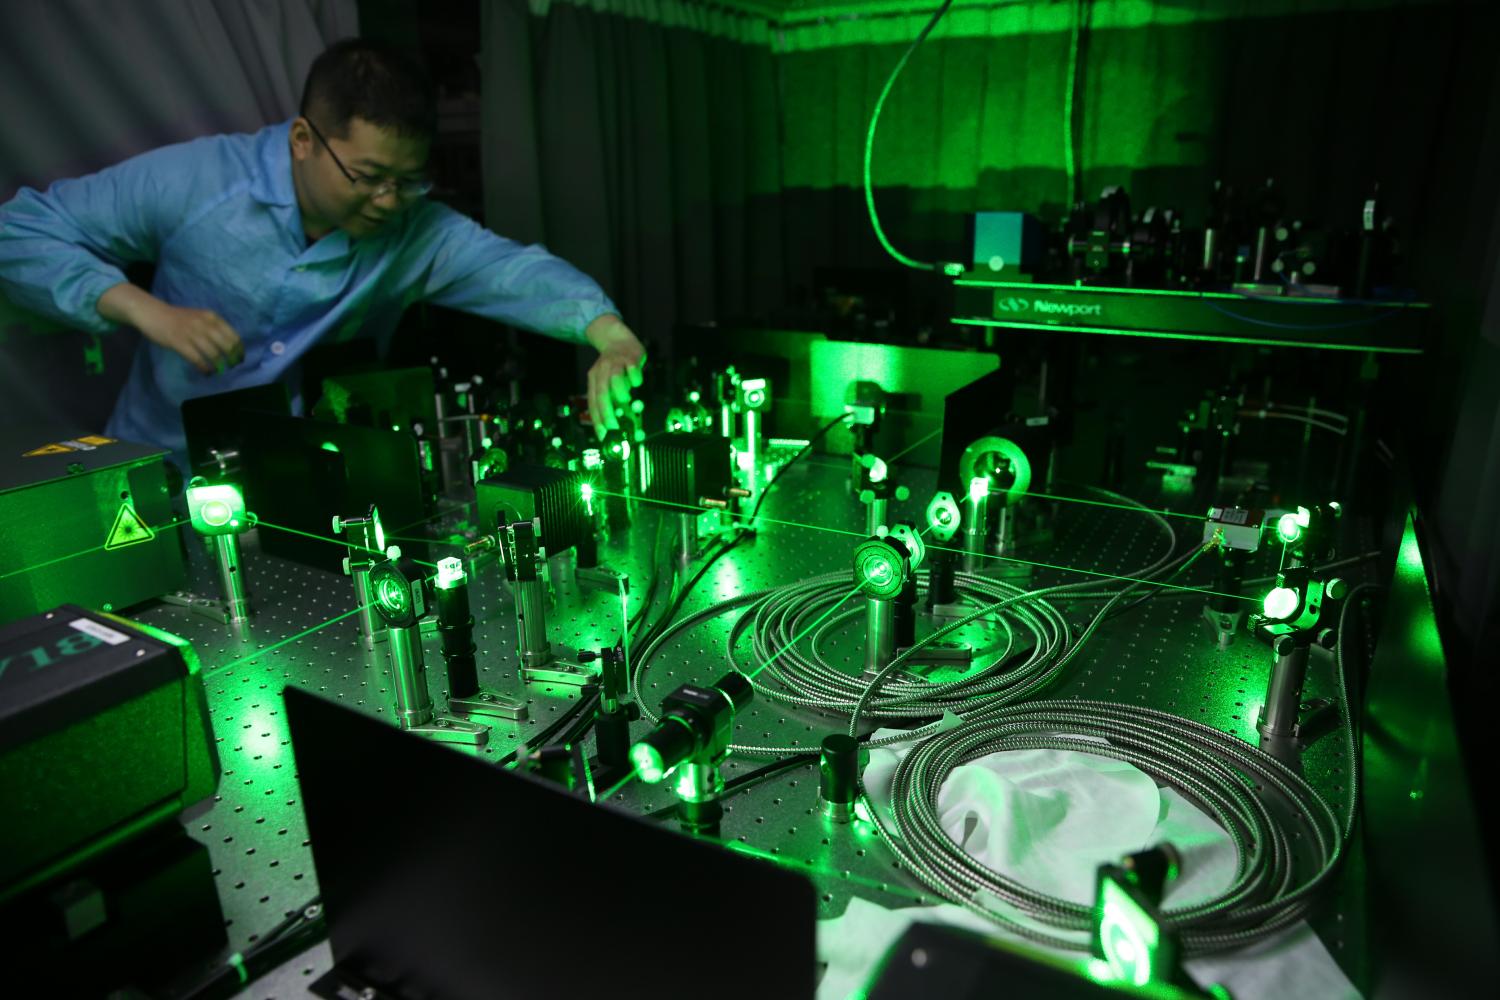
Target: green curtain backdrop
column 1325, row 102
column 645, row 152
column 704, row 164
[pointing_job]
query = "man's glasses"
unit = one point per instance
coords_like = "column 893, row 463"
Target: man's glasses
column 405, row 189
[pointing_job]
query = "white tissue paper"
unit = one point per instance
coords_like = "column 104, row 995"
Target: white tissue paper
column 1048, row 819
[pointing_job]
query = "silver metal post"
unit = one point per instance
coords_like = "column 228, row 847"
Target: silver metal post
column 880, row 634
column 877, row 515
column 231, row 579
column 414, row 711
column 687, row 538
column 409, row 677
column 752, row 449
column 1003, row 524
column 1279, row 716
column 976, row 528
column 531, row 624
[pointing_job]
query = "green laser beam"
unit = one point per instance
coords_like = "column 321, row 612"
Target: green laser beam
column 796, row 864
column 74, row 555
column 914, row 446
column 984, row 555
column 799, row 636
column 618, row 785
column 430, row 541
column 1095, row 573
column 720, row 510
column 277, row 645
column 927, row 413
column 1199, row 338
column 334, row 541
column 434, row 517
column 1103, row 503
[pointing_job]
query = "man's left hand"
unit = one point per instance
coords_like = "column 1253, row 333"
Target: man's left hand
column 618, row 370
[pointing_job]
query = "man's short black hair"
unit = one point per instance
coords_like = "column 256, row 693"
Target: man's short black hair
column 356, row 78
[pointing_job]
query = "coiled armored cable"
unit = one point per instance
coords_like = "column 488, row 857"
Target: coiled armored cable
column 1218, row 772
column 1226, row 777
column 781, row 670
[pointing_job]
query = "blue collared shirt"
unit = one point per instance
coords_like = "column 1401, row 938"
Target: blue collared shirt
column 219, row 218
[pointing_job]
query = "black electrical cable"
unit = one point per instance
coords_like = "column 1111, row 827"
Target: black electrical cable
column 1185, row 561
column 817, row 436
column 304, row 927
column 650, row 600
column 584, row 704
column 575, row 724
column 742, row 781
column 687, row 588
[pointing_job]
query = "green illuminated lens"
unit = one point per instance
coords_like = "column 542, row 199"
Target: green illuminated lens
column 648, row 763
column 586, row 491
column 1127, row 936
column 879, row 573
column 979, row 487
column 391, row 593
column 214, row 507
column 1281, row 603
column 1288, row 528
column 216, row 513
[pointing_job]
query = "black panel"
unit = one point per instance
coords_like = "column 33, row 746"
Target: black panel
column 490, row 883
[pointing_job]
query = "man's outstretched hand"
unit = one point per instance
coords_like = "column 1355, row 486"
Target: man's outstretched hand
column 618, row 370
column 200, row 336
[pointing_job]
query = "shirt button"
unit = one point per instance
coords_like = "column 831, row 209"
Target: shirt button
column 277, row 347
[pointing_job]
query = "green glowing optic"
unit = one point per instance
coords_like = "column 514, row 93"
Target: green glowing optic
column 392, row 594
column 879, row 568
column 215, row 510
column 979, row 486
column 1288, row 528
column 694, row 396
column 329, row 446
column 216, row 513
column 648, row 763
column 450, row 573
column 1281, row 603
column 879, row 573
column 1127, row 935
column 586, row 492
column 379, row 531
